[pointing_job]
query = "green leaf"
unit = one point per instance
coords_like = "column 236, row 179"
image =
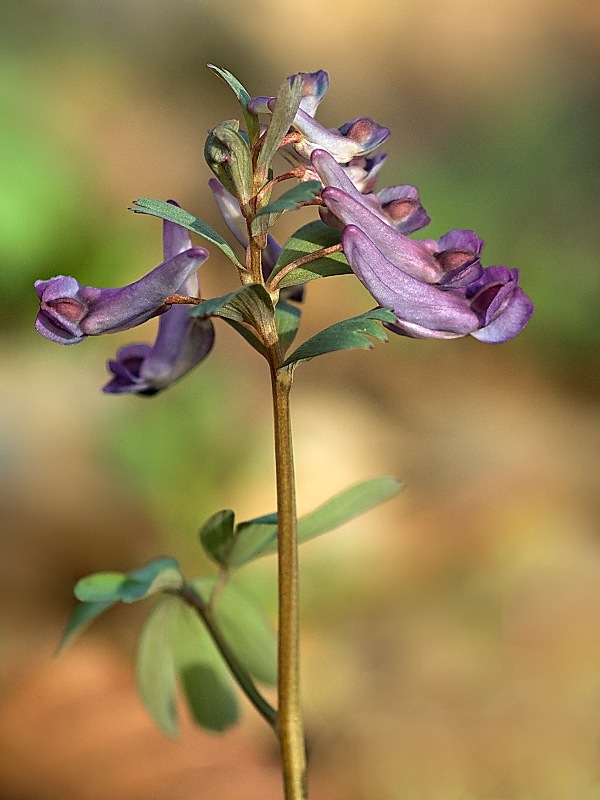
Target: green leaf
column 82, row 615
column 258, row 537
column 245, row 628
column 309, row 239
column 217, row 535
column 293, row 198
column 159, row 208
column 349, row 334
column 243, row 98
column 204, row 677
column 250, row 337
column 228, row 155
column 247, row 304
column 156, row 576
column 176, row 647
column 287, row 321
column 286, row 106
column 101, row 587
column 155, row 670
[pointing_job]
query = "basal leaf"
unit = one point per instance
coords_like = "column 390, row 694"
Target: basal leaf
column 245, row 628
column 258, row 537
column 350, row 334
column 159, row 208
column 309, row 239
column 243, row 98
column 293, row 198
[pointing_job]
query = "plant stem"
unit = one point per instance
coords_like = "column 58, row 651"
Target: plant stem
column 290, row 725
column 245, row 682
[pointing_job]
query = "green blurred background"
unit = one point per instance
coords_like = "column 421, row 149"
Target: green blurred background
column 451, row 638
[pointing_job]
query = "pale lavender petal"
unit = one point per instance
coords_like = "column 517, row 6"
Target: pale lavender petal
column 230, row 210
column 404, row 253
column 119, row 309
column 410, row 299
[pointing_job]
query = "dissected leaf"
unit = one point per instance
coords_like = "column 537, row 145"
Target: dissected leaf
column 349, row 334
column 217, row 535
column 286, row 106
column 82, row 615
column 258, row 537
column 293, row 198
column 287, row 322
column 309, row 239
column 175, row 647
column 243, row 98
column 159, row 208
column 156, row 675
column 157, row 575
column 249, row 304
column 203, row 675
column 245, row 628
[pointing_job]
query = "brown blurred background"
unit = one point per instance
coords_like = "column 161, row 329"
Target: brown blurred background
column 452, row 637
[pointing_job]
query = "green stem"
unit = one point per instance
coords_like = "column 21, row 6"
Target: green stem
column 245, row 682
column 290, row 725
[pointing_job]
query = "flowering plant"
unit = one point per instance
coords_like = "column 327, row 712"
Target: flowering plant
column 203, row 632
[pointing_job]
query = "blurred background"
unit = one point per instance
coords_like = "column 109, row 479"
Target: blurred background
column 452, row 637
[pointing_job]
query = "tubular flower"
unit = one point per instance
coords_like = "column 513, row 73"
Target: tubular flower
column 492, row 308
column 69, row 312
column 182, row 341
column 353, row 139
column 397, row 207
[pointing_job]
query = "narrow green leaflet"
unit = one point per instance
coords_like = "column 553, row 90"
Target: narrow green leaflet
column 309, row 239
column 246, row 304
column 243, row 97
column 176, row 648
column 110, row 587
column 258, row 537
column 287, row 321
column 245, row 628
column 286, row 106
column 82, row 615
column 155, row 669
column 293, row 198
column 350, row 334
column 159, row 208
column 252, row 340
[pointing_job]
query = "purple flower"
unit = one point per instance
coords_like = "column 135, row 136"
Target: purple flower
column 182, row 341
column 353, row 139
column 69, row 312
column 492, row 308
column 397, row 207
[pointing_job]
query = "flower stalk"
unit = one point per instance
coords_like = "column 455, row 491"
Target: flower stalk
column 290, row 727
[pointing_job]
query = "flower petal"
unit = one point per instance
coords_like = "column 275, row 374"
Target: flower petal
column 412, row 300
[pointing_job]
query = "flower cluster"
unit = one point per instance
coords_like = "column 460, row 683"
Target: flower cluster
column 436, row 288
